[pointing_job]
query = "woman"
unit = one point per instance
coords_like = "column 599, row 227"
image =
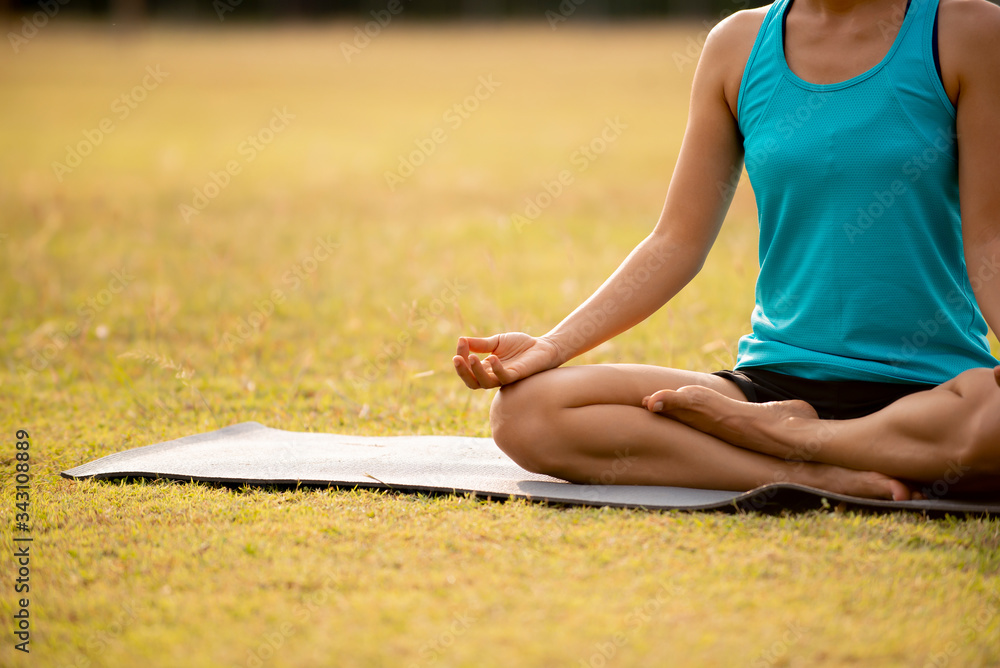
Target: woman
column 866, row 126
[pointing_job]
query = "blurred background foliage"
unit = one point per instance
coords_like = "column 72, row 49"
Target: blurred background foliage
column 300, row 9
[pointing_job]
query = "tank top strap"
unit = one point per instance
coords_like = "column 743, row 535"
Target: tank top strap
column 763, row 70
column 913, row 70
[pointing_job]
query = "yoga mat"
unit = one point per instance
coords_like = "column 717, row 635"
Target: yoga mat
column 250, row 453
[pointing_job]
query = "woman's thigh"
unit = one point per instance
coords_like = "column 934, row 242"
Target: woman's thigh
column 585, row 385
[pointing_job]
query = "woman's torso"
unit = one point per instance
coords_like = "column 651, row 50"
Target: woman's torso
column 849, row 139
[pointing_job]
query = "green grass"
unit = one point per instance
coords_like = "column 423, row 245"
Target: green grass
column 161, row 574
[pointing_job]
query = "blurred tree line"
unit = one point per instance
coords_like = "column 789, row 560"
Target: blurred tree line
column 292, row 9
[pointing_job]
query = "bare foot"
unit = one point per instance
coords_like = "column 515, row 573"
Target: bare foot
column 765, row 428
column 864, row 484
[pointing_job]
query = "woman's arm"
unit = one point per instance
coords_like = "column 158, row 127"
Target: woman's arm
column 969, row 30
column 699, row 195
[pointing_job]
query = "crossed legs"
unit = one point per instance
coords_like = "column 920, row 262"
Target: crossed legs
column 948, row 437
column 587, row 424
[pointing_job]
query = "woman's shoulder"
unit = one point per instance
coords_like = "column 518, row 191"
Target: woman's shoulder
column 729, row 46
column 968, row 43
column 971, row 11
column 739, row 29
column 962, row 21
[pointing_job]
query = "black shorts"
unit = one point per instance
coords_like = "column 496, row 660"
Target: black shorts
column 832, row 399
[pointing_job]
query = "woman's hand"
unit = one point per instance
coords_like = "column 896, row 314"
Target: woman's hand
column 510, row 357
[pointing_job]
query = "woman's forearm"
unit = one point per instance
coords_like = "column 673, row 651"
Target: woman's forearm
column 701, row 188
column 652, row 274
column 983, row 262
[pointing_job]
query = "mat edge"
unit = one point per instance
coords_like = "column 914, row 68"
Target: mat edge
column 746, row 502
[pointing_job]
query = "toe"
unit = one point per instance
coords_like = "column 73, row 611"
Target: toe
column 899, row 491
column 659, row 401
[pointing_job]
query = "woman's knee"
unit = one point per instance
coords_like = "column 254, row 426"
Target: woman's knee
column 982, row 400
column 981, row 456
column 975, row 438
column 519, row 417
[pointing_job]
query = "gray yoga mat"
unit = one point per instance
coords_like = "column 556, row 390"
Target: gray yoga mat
column 250, row 453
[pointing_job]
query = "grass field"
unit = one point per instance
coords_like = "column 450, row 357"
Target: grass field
column 219, row 242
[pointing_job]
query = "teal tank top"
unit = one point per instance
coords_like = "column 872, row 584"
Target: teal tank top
column 862, row 271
